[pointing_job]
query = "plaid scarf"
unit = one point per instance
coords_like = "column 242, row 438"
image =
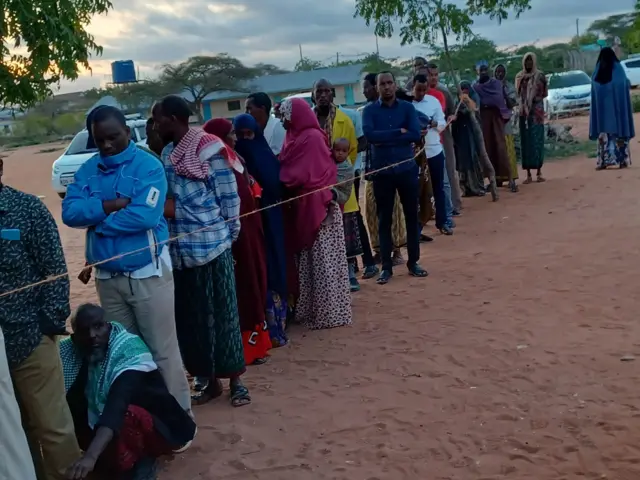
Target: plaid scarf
column 125, row 352
column 185, row 157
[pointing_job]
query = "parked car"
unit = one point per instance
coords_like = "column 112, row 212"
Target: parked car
column 632, row 69
column 568, row 92
column 66, row 166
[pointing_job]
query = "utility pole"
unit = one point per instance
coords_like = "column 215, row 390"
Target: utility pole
column 577, row 28
column 300, row 45
column 337, row 58
column 377, row 47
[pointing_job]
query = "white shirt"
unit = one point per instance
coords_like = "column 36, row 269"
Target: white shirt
column 430, row 106
column 274, row 132
column 153, row 269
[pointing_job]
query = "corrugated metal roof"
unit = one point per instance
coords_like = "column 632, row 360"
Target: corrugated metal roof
column 291, row 82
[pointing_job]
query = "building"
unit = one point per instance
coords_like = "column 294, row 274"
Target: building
column 347, row 81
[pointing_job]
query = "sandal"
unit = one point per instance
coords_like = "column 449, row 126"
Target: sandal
column 260, row 361
column 210, row 391
column 541, row 179
column 239, row 394
column 528, row 181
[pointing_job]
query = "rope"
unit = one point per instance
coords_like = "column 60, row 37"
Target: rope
column 53, row 278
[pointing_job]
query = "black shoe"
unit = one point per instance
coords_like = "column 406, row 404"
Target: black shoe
column 384, row 277
column 446, row 230
column 370, row 272
column 456, row 213
column 417, row 271
column 425, row 238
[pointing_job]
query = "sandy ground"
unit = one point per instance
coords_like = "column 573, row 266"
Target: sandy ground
column 504, row 363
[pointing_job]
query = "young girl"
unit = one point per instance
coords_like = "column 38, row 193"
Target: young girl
column 346, row 194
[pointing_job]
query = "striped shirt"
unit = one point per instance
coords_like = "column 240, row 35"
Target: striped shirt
column 206, row 211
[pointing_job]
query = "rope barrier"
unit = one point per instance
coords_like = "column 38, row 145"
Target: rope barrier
column 53, row 278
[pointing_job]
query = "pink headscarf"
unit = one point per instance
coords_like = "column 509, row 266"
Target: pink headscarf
column 306, row 165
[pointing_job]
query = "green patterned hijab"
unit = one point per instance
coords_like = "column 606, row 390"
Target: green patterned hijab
column 125, row 352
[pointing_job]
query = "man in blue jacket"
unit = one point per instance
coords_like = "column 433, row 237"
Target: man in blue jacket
column 391, row 127
column 118, row 196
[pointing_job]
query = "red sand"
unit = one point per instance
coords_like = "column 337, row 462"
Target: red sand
column 504, row 363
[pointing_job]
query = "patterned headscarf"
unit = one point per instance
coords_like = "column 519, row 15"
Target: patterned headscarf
column 286, row 109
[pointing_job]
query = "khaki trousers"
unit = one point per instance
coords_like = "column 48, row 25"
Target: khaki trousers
column 39, row 387
column 146, row 307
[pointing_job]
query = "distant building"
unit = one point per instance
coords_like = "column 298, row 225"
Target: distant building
column 346, row 80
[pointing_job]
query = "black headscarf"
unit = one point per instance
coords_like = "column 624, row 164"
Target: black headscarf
column 606, row 62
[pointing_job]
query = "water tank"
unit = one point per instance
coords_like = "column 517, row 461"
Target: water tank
column 123, row 71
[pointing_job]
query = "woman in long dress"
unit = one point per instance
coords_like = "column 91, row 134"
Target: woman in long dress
column 467, row 153
column 511, row 97
column 611, row 117
column 248, row 254
column 264, row 166
column 494, row 115
column 531, row 85
column 314, row 222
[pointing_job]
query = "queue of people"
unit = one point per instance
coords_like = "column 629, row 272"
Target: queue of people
column 206, row 244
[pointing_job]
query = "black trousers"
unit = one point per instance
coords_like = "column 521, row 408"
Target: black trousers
column 384, row 191
column 367, row 254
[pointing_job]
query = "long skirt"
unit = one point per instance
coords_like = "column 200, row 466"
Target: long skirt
column 531, row 143
column 277, row 319
column 513, row 158
column 325, row 298
column 467, row 156
column 613, row 151
column 137, row 439
column 494, row 140
column 398, row 225
column 352, row 239
column 207, row 320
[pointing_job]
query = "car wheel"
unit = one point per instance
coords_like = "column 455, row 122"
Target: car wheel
column 62, row 195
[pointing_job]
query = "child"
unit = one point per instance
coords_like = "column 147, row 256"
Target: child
column 346, row 196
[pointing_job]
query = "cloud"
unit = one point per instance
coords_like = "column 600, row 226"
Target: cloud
column 270, row 31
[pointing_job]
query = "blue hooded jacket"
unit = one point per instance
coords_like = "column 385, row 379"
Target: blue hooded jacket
column 133, row 174
column 611, row 109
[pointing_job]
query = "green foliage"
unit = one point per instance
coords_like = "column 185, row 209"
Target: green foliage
column 614, row 25
column 373, row 62
column 305, row 64
column 202, row 75
column 269, row 69
column 589, row 38
column 632, row 34
column 635, row 103
column 42, row 43
column 36, row 128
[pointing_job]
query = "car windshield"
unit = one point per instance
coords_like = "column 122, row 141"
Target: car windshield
column 569, row 80
column 78, row 145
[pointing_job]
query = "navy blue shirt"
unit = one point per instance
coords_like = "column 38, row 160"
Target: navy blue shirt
column 381, row 125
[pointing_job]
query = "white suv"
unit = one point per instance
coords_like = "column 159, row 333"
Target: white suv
column 66, row 166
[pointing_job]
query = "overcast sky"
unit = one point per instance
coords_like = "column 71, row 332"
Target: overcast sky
column 269, row 31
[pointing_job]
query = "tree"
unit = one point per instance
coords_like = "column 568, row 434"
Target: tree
column 588, row 38
column 139, row 96
column 199, row 76
column 55, row 43
column 614, row 25
column 374, row 63
column 305, row 64
column 464, row 56
column 269, row 69
column 430, row 21
column 632, row 35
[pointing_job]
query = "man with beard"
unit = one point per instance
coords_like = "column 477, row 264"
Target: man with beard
column 391, row 127
column 398, row 231
column 31, row 319
column 337, row 124
column 123, row 413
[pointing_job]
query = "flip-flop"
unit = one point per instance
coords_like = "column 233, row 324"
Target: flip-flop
column 240, row 396
column 260, row 361
column 207, row 394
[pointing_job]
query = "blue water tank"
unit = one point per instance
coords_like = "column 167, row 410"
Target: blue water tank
column 123, row 71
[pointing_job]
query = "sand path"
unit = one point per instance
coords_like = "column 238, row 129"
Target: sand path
column 504, row 363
